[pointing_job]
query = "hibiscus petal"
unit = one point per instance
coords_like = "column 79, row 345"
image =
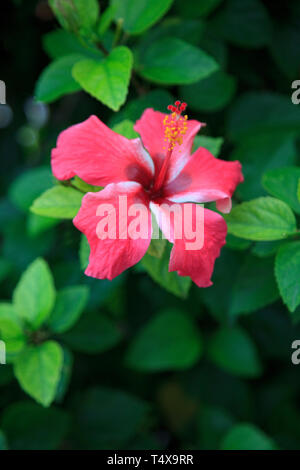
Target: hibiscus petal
column 100, row 156
column 199, row 264
column 103, row 219
column 206, row 178
column 152, row 131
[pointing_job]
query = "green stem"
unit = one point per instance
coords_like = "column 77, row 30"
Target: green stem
column 118, row 32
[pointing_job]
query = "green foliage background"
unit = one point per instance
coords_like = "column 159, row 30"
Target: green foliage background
column 149, row 361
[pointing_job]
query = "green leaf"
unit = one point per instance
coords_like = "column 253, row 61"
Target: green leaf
column 106, row 19
column 263, row 219
column 84, row 252
column 34, row 295
column 211, row 94
column 69, row 305
column 157, row 247
column 246, row 436
column 60, row 202
column 258, row 113
column 37, row 224
column 287, row 271
column 298, row 191
column 265, row 249
column 107, row 80
column 125, row 128
column 5, row 268
column 245, row 24
column 76, row 15
column 254, row 287
column 93, row 333
column 56, row 80
column 169, row 341
column 83, row 186
column 109, row 418
column 139, row 15
column 258, row 154
column 284, row 47
column 236, row 243
column 29, row 426
column 225, row 274
column 3, row 443
column 29, row 185
column 61, row 43
column 38, row 370
column 65, row 376
column 11, row 330
column 233, row 350
column 171, row 61
column 213, row 144
column 283, row 184
column 156, row 99
column 158, row 269
column 88, row 11
column 212, row 423
column 192, row 9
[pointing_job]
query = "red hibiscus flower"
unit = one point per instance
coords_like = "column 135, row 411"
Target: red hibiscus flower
column 155, row 171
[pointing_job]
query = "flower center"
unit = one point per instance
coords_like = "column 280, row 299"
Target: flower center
column 175, row 127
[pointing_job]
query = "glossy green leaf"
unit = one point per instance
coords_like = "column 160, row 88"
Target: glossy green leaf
column 171, row 61
column 60, row 202
column 56, row 80
column 76, row 15
column 37, row 224
column 287, row 271
column 283, row 184
column 169, row 341
column 210, row 94
column 284, row 47
column 34, row 295
column 254, row 287
column 265, row 218
column 234, row 351
column 93, row 333
column 38, row 370
column 69, row 305
column 192, row 9
column 29, row 426
column 3, row 442
column 29, row 185
column 126, row 129
column 65, row 377
column 11, row 330
column 109, row 418
column 157, row 247
column 259, row 154
column 245, row 24
column 83, row 186
column 213, row 144
column 61, row 43
column 139, row 15
column 132, row 111
column 106, row 80
column 263, row 113
column 246, row 436
column 158, row 269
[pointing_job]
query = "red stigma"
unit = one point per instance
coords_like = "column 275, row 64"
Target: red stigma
column 178, row 108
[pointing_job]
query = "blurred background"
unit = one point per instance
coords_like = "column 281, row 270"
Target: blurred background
column 153, row 363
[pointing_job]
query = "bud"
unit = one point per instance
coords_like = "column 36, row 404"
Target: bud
column 76, row 16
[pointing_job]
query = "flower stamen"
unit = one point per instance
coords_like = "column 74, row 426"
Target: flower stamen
column 175, row 127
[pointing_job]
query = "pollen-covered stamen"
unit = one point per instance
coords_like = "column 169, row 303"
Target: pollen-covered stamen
column 175, row 127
